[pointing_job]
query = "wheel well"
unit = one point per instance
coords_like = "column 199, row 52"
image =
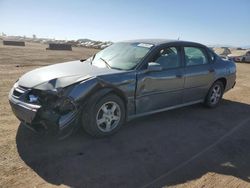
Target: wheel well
column 103, row 92
column 223, row 80
column 119, row 94
column 106, row 91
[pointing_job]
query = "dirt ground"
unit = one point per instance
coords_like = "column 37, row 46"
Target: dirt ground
column 188, row 147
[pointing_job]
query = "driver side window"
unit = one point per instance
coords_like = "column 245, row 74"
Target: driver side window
column 167, row 57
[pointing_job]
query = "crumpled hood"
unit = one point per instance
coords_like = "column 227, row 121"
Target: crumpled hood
column 61, row 75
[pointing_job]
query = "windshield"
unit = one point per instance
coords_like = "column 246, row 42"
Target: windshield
column 123, row 56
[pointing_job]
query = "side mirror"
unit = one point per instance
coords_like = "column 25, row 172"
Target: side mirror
column 154, row 67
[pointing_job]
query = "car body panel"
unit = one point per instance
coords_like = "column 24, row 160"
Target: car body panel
column 142, row 91
column 61, row 75
column 122, row 83
column 159, row 89
column 197, row 82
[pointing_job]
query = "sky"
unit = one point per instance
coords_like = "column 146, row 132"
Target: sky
column 209, row 22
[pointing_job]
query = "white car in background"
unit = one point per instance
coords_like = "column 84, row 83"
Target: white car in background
column 240, row 56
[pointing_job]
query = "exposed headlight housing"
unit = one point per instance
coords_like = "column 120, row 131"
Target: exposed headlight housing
column 65, row 105
column 32, row 98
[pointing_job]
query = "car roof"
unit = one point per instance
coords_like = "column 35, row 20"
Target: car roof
column 157, row 42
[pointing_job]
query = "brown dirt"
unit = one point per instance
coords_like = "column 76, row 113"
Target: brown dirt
column 187, row 147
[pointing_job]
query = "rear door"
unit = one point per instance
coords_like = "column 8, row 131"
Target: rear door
column 161, row 89
column 199, row 73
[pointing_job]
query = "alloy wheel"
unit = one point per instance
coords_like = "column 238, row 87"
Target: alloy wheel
column 108, row 116
column 216, row 94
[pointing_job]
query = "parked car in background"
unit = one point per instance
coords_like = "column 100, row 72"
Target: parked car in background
column 124, row 81
column 223, row 52
column 240, row 56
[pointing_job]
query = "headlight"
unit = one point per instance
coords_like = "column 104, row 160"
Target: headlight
column 32, row 98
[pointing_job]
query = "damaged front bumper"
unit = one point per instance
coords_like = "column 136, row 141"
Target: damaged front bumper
column 44, row 121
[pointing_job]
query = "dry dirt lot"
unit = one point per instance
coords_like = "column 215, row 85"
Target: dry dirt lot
column 188, row 147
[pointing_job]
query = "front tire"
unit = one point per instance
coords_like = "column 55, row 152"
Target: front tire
column 214, row 95
column 104, row 116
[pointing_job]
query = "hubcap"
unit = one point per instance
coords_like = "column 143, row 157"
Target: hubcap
column 215, row 95
column 108, row 116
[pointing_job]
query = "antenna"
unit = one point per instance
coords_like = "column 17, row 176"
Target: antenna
column 178, row 38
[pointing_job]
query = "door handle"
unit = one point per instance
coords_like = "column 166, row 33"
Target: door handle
column 179, row 76
column 211, row 70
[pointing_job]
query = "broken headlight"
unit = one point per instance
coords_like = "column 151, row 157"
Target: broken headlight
column 32, row 98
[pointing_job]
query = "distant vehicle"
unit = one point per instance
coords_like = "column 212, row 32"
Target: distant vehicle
column 243, row 57
column 123, row 81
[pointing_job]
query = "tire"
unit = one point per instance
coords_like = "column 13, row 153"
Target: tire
column 243, row 59
column 104, row 115
column 214, row 95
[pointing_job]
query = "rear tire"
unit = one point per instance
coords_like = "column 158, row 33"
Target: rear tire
column 103, row 116
column 214, row 95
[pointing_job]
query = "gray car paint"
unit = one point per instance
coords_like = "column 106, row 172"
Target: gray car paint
column 161, row 89
column 61, row 75
column 143, row 92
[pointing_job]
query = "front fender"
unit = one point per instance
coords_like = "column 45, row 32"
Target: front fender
column 89, row 87
column 123, row 86
column 83, row 89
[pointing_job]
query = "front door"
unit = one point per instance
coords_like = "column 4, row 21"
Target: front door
column 161, row 89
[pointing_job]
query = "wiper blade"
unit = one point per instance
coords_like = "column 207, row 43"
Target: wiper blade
column 106, row 63
column 92, row 59
column 117, row 68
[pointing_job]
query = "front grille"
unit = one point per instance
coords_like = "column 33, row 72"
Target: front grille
column 19, row 91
